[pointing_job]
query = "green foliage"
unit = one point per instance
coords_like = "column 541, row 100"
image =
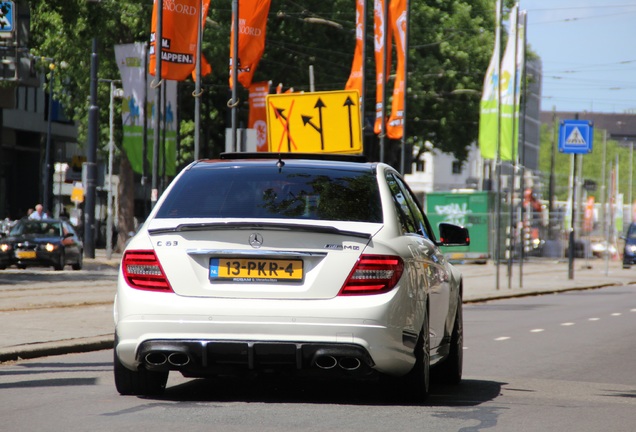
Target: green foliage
column 592, row 168
column 450, row 46
column 63, row 30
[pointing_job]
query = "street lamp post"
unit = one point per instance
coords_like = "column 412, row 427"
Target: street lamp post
column 114, row 93
column 46, row 199
column 91, row 159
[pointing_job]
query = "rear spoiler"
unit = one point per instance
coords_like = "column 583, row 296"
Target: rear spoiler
column 281, row 156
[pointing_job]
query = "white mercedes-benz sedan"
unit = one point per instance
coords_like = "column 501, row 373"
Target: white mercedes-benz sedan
column 299, row 264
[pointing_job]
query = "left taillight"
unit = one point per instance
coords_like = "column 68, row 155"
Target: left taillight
column 373, row 274
column 142, row 270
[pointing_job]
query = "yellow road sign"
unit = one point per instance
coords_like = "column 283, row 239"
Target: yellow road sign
column 318, row 122
column 77, row 195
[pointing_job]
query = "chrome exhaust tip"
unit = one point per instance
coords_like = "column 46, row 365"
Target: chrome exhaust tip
column 156, row 359
column 326, row 362
column 178, row 359
column 349, row 363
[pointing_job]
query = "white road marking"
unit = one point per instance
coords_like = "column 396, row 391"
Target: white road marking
column 566, row 324
column 617, row 314
column 536, row 330
column 502, row 338
column 594, row 319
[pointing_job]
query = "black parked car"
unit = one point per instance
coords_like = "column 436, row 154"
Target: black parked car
column 629, row 253
column 42, row 243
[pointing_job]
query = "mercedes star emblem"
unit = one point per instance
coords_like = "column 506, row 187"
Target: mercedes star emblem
column 256, row 240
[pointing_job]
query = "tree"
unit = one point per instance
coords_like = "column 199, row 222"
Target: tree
column 63, row 30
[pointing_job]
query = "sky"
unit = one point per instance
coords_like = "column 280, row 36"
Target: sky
column 588, row 51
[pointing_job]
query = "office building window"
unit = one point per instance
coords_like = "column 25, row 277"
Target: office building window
column 457, row 167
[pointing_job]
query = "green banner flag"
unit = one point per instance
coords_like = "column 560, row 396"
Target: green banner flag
column 489, row 107
column 131, row 59
column 509, row 105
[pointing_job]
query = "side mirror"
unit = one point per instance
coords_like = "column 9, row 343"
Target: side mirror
column 453, row 235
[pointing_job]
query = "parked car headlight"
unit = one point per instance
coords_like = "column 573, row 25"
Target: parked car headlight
column 4, row 247
column 50, row 247
column 630, row 248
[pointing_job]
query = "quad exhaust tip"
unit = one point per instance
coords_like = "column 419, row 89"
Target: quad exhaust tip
column 178, row 359
column 329, row 362
column 157, row 358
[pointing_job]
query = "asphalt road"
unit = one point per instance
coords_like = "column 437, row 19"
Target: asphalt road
column 556, row 362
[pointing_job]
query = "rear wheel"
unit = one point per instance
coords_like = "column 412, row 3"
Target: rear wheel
column 141, row 382
column 450, row 370
column 416, row 382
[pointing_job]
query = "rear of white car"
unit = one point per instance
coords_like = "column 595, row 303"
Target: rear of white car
column 268, row 265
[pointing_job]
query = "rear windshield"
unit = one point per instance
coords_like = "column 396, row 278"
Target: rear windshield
column 264, row 192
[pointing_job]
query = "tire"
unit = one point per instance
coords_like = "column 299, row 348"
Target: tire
column 416, row 383
column 80, row 262
column 450, row 370
column 61, row 263
column 140, row 383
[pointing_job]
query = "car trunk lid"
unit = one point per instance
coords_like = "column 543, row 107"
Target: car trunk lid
column 258, row 259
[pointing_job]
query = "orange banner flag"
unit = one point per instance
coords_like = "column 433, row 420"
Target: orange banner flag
column 382, row 67
column 398, row 17
column 179, row 35
column 251, row 39
column 355, row 78
column 258, row 113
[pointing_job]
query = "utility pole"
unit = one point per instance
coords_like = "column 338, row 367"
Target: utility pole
column 91, row 160
column 154, row 193
column 47, row 196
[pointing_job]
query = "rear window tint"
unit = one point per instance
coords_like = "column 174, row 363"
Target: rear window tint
column 265, row 192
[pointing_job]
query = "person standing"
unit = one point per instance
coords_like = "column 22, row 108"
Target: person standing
column 39, row 213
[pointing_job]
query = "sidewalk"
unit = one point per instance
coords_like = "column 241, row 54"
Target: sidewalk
column 81, row 319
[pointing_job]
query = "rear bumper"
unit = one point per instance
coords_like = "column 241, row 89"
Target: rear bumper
column 228, row 345
column 223, row 357
column 249, row 335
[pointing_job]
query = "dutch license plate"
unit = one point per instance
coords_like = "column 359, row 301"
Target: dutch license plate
column 25, row 254
column 256, row 270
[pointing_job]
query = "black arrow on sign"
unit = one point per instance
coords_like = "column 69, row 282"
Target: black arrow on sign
column 279, row 113
column 349, row 103
column 307, row 120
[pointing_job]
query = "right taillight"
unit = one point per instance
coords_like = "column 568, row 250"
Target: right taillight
column 142, row 270
column 373, row 274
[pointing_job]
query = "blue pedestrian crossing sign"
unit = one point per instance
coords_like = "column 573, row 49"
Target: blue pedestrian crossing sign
column 576, row 136
column 7, row 16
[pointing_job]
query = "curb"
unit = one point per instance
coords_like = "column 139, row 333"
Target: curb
column 519, row 294
column 45, row 349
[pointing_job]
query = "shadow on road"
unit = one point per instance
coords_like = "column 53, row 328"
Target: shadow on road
column 270, row 390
